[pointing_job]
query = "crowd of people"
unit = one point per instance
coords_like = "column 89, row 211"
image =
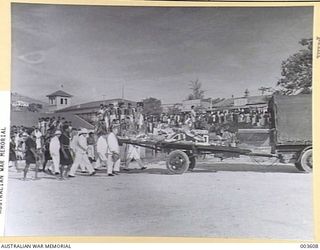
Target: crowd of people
column 212, row 121
column 130, row 118
column 68, row 148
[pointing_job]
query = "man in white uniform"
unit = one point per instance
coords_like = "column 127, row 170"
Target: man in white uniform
column 54, row 148
column 81, row 156
column 134, row 154
column 113, row 153
column 102, row 150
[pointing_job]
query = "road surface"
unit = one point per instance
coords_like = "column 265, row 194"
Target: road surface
column 229, row 199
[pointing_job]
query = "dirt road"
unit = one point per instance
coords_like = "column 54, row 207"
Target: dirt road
column 232, row 199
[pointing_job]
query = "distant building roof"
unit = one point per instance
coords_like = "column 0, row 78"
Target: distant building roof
column 60, row 93
column 250, row 100
column 94, row 105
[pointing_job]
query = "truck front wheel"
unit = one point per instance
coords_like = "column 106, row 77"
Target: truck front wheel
column 304, row 162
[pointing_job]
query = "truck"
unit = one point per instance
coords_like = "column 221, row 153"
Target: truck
column 290, row 137
column 291, row 129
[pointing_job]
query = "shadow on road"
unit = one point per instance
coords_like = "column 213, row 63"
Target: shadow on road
column 223, row 167
column 242, row 167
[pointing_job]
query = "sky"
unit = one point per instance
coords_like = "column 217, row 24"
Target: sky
column 96, row 51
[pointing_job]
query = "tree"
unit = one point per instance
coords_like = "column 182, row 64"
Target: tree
column 296, row 71
column 197, row 92
column 152, row 106
column 34, row 107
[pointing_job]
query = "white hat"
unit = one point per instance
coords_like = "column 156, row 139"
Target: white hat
column 83, row 131
column 58, row 132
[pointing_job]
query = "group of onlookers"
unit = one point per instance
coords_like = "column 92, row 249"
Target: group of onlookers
column 67, row 148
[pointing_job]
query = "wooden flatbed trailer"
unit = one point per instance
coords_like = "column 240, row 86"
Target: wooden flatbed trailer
column 182, row 154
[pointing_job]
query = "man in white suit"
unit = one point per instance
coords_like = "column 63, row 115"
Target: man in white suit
column 81, row 157
column 54, row 148
column 113, row 152
column 102, row 149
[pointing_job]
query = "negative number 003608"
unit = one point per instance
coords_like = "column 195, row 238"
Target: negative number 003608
column 309, row 246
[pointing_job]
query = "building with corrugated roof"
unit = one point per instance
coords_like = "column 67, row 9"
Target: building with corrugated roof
column 88, row 110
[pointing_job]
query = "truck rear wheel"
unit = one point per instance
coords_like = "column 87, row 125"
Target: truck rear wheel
column 304, row 162
column 177, row 162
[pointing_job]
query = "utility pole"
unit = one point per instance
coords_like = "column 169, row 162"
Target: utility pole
column 122, row 92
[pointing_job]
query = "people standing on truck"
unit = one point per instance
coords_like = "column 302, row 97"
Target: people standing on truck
column 130, row 112
column 121, row 111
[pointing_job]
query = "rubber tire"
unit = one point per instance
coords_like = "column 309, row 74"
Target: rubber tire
column 184, row 161
column 304, row 162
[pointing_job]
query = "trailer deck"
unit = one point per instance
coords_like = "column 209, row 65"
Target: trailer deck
column 182, row 154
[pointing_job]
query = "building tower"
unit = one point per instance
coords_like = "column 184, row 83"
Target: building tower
column 59, row 100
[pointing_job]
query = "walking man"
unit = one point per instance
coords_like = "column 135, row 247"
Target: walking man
column 54, row 149
column 81, row 156
column 65, row 152
column 102, row 149
column 31, row 156
column 113, row 159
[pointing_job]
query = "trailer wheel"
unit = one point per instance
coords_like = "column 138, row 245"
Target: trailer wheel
column 177, row 162
column 304, row 162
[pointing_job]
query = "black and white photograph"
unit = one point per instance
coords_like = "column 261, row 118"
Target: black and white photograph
column 144, row 121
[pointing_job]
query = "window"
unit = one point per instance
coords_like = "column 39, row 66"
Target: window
column 65, row 101
column 61, row 101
